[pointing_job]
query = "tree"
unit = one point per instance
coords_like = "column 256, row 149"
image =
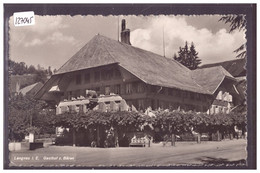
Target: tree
column 49, row 71
column 31, row 70
column 194, row 57
column 54, row 71
column 188, row 56
column 41, row 76
column 25, row 112
column 237, row 22
column 17, row 68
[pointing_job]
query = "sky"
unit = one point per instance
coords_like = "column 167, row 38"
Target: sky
column 55, row 39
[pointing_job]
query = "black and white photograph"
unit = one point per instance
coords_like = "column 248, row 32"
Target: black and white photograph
column 129, row 89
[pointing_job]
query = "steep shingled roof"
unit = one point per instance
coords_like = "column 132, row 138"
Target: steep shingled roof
column 234, row 67
column 22, row 80
column 31, row 88
column 149, row 67
column 211, row 78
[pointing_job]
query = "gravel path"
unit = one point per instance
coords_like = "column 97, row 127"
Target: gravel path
column 185, row 153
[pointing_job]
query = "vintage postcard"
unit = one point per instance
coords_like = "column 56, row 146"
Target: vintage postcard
column 161, row 87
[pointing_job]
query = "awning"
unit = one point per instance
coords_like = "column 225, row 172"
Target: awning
column 55, row 89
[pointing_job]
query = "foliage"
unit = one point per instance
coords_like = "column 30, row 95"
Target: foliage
column 174, row 122
column 25, row 112
column 33, row 129
column 188, row 56
column 241, row 51
column 94, row 118
column 20, row 68
column 237, row 22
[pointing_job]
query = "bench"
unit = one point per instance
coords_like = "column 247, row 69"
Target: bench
column 138, row 142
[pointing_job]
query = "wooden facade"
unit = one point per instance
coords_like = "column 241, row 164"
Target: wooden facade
column 115, row 79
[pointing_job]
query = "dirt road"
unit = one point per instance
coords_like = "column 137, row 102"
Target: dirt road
column 224, row 152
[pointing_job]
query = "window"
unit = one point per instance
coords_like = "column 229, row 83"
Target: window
column 107, row 90
column 140, row 88
column 192, row 96
column 178, row 93
column 103, row 74
column 162, row 90
column 97, row 89
column 77, row 93
column 87, row 78
column 117, row 89
column 170, row 91
column 83, row 92
column 117, row 73
column 186, row 94
column 78, row 79
column 153, row 89
column 153, row 104
column 97, row 76
column 69, row 95
column 203, row 98
column 134, row 87
column 109, row 74
column 141, row 104
column 128, row 88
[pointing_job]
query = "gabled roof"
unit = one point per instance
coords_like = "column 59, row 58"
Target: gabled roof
column 149, row 67
column 21, row 80
column 234, row 67
column 31, row 88
column 211, row 78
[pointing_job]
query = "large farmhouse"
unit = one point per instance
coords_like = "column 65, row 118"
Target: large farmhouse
column 142, row 78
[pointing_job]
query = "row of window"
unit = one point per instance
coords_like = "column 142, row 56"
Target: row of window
column 129, row 88
column 215, row 109
column 136, row 87
column 98, row 76
column 177, row 93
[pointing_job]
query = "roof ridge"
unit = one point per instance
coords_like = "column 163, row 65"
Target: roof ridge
column 105, row 46
column 76, row 53
column 237, row 59
column 224, row 71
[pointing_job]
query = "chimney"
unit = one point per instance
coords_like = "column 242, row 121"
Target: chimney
column 125, row 33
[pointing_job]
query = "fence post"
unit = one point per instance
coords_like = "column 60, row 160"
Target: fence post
column 199, row 138
column 74, row 137
column 218, row 135
column 173, row 140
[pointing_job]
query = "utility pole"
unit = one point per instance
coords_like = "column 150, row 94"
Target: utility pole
column 163, row 43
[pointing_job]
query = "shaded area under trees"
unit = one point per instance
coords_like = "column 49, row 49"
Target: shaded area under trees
column 169, row 123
